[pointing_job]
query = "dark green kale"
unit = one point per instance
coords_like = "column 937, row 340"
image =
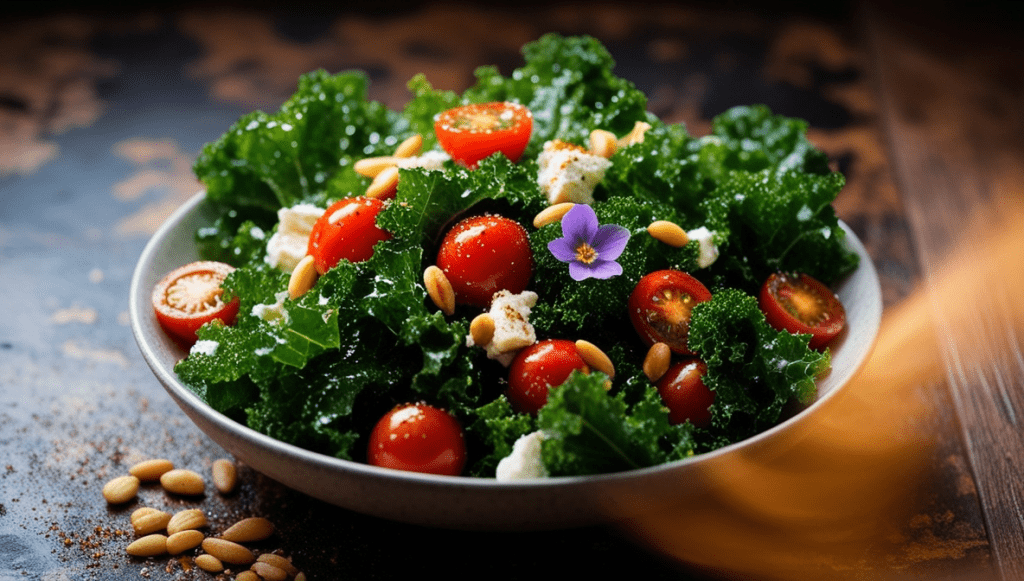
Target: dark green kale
column 497, row 427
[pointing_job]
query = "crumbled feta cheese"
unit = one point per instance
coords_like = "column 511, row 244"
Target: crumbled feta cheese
column 288, row 245
column 431, row 160
column 708, row 250
column 569, row 173
column 524, row 461
column 204, row 347
column 512, row 328
column 272, row 313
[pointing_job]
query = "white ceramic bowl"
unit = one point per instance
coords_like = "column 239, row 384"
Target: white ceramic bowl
column 476, row 503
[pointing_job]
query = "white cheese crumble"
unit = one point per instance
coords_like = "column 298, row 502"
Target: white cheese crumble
column 708, row 250
column 274, row 313
column 569, row 173
column 512, row 328
column 430, row 160
column 204, row 347
column 524, row 462
column 288, row 245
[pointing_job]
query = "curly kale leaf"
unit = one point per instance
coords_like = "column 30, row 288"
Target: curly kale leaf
column 497, row 427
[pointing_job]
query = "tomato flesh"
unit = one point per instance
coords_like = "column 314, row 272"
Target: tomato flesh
column 799, row 303
column 683, row 391
column 483, row 255
column 660, row 307
column 188, row 297
column 538, row 368
column 472, row 132
column 418, row 438
column 347, row 230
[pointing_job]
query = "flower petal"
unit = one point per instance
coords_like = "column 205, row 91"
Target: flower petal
column 562, row 249
column 603, row 269
column 579, row 224
column 610, row 241
column 579, row 271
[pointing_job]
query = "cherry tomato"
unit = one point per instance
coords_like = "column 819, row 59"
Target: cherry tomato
column 483, row 255
column 538, row 368
column 660, row 307
column 800, row 304
column 348, row 229
column 473, row 132
column 418, row 438
column 191, row 296
column 684, row 393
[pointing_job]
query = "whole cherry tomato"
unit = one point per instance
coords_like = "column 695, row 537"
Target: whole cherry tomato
column 538, row 368
column 660, row 307
column 348, row 229
column 483, row 255
column 800, row 304
column 473, row 132
column 685, row 395
column 191, row 296
column 418, row 438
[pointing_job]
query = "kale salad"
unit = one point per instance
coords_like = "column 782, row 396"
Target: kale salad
column 321, row 367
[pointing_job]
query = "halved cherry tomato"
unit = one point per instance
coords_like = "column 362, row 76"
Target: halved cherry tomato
column 684, row 393
column 800, row 304
column 660, row 306
column 191, row 296
column 418, row 438
column 538, row 368
column 483, row 255
column 348, row 229
column 473, row 132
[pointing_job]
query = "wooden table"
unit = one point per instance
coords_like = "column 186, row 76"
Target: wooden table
column 916, row 474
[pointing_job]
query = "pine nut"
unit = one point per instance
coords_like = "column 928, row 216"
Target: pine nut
column 228, row 551
column 279, row 562
column 247, row 576
column 439, row 289
column 209, row 563
column 146, row 521
column 551, row 214
column 656, row 362
column 300, row 576
column 303, row 278
column 595, row 358
column 410, row 147
column 181, row 481
column 151, row 470
column 148, row 546
column 225, row 475
column 269, row 572
column 603, row 143
column 384, row 184
column 182, row 541
column 636, row 135
column 185, row 520
column 481, row 329
column 121, row 489
column 669, row 233
column 371, row 166
column 249, row 530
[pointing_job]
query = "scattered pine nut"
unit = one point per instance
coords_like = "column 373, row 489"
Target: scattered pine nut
column 371, row 166
column 247, row 576
column 182, row 541
column 147, row 520
column 269, row 572
column 303, row 278
column 439, row 289
column 225, row 474
column 228, row 552
column 187, row 519
column 300, row 576
column 657, row 361
column 551, row 214
column 636, row 135
column 249, row 530
column 121, row 489
column 209, row 563
column 668, row 232
column 603, row 143
column 385, row 184
column 279, row 562
column 481, row 329
column 151, row 470
column 181, row 481
column 148, row 546
column 410, row 147
column 595, row 358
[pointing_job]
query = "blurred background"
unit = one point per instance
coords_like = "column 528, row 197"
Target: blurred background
column 914, row 473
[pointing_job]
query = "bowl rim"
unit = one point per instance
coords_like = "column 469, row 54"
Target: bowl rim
column 139, row 309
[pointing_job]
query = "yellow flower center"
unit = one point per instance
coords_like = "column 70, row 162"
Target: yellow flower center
column 585, row 253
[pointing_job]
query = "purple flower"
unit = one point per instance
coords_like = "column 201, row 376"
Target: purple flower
column 589, row 249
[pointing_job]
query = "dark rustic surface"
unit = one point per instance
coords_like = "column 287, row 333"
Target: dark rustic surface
column 102, row 112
